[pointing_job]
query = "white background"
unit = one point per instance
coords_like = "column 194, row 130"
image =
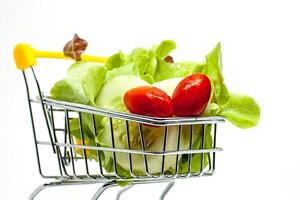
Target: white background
column 260, row 40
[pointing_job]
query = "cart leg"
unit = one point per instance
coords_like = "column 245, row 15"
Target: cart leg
column 103, row 188
column 38, row 190
column 54, row 184
column 47, row 185
column 122, row 191
column 42, row 187
column 166, row 190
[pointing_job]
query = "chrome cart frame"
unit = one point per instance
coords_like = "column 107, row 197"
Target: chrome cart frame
column 73, row 158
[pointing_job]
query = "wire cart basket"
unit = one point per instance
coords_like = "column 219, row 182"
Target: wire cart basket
column 72, row 156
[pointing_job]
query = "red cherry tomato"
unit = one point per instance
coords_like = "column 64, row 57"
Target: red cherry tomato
column 191, row 95
column 148, row 100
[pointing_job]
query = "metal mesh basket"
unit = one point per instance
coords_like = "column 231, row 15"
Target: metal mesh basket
column 187, row 146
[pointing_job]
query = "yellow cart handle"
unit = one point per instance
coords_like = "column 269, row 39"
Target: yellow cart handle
column 25, row 56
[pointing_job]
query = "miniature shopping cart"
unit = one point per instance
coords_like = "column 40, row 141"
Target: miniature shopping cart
column 69, row 158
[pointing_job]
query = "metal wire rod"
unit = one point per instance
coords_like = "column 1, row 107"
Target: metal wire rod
column 132, row 117
column 54, row 184
column 118, row 150
column 122, row 191
column 103, row 188
column 166, row 190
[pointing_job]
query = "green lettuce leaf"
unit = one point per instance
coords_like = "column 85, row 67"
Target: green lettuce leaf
column 169, row 70
column 148, row 65
column 192, row 67
column 212, row 69
column 128, row 69
column 166, row 70
column 165, row 48
column 82, row 84
column 115, row 61
column 241, row 110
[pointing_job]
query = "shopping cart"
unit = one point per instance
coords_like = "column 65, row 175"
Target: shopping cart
column 72, row 156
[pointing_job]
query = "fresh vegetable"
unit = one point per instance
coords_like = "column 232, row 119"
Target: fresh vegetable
column 151, row 65
column 82, row 84
column 191, row 95
column 105, row 86
column 148, row 100
column 241, row 110
column 153, row 136
column 112, row 93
